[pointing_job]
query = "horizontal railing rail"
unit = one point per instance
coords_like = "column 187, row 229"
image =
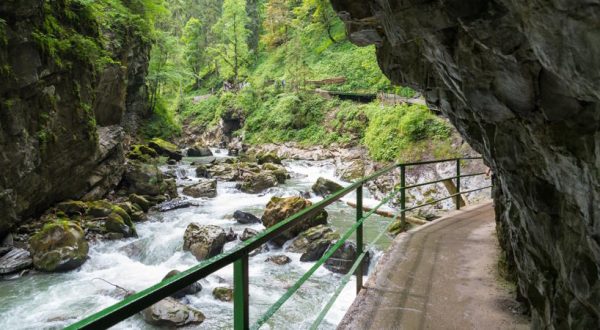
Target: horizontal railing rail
column 238, row 256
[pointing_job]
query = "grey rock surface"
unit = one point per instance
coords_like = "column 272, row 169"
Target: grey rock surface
column 520, row 81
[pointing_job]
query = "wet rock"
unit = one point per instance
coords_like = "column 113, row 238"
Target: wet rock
column 268, row 158
column 202, row 171
column 166, row 149
column 279, row 260
column 257, row 183
column 147, row 179
column 171, row 162
column 171, row 313
column 313, row 242
column 245, row 218
column 71, row 208
column 248, row 234
column 279, row 209
column 315, row 250
column 174, row 205
column 231, row 235
column 189, row 290
column 223, row 293
column 262, row 249
column 204, row 188
column 59, row 246
column 140, row 201
column 342, row 259
column 15, row 260
column 119, row 222
column 324, row 187
column 224, row 172
column 199, row 150
column 204, row 241
column 134, row 211
column 278, row 171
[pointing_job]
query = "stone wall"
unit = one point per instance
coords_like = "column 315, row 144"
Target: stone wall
column 63, row 118
column 520, row 80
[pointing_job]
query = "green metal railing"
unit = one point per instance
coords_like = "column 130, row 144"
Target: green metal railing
column 238, row 256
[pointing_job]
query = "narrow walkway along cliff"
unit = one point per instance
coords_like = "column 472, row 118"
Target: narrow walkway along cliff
column 439, row 276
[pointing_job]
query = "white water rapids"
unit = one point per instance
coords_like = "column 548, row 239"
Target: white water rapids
column 49, row 301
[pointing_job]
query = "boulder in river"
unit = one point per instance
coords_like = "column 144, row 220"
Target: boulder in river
column 147, row 179
column 199, row 150
column 142, row 153
column 204, row 188
column 279, row 171
column 190, row 289
column 59, row 246
column 135, row 211
column 258, row 182
column 166, row 149
column 279, row 259
column 268, row 157
column 324, row 187
column 245, row 218
column 230, row 236
column 248, row 234
column 320, row 232
column 343, row 258
column 140, row 201
column 171, row 313
column 174, row 205
column 204, row 241
column 223, row 293
column 15, row 260
column 278, row 209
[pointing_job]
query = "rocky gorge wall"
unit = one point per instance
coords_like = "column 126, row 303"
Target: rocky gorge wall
column 520, row 81
column 71, row 90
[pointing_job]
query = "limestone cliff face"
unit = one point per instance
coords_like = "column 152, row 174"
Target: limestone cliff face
column 521, row 82
column 66, row 104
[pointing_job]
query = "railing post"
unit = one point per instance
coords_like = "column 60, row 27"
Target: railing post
column 403, row 195
column 359, row 237
column 458, row 184
column 241, row 320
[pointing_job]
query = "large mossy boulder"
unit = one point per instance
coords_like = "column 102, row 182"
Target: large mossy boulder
column 268, row 157
column 258, row 182
column 72, row 208
column 147, row 179
column 199, row 150
column 204, row 188
column 324, row 187
column 59, row 246
column 313, row 242
column 279, row 209
column 166, row 149
column 170, row 313
column 204, row 241
column 223, row 293
column 142, row 153
column 278, row 171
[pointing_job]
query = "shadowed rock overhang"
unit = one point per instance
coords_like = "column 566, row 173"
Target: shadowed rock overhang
column 521, row 82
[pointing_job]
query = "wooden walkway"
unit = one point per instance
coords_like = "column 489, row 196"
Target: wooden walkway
column 440, row 276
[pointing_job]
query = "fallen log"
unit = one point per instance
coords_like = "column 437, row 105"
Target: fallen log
column 388, row 214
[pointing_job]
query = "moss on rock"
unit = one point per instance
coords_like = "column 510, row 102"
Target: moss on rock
column 59, row 246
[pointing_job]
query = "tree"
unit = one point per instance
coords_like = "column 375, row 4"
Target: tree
column 194, row 51
column 277, row 21
column 232, row 50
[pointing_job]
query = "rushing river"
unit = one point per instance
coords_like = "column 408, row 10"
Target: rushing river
column 48, row 301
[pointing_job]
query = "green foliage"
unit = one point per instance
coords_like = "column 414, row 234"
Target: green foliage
column 163, row 122
column 404, row 132
column 232, row 49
